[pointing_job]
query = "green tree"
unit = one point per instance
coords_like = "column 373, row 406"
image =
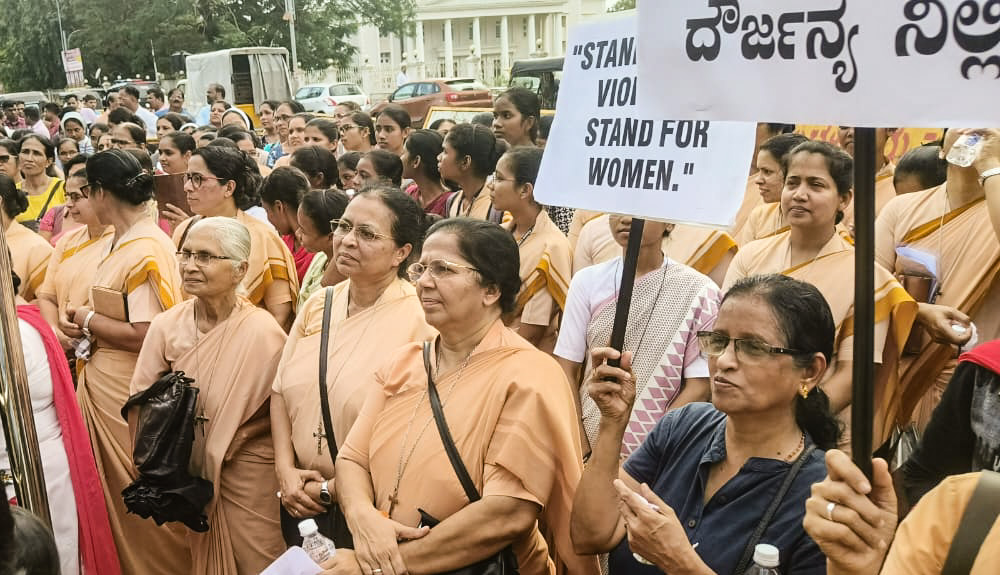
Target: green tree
column 622, row 5
column 30, row 45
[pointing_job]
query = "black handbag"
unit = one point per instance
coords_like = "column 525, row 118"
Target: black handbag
column 332, row 523
column 503, row 562
column 165, row 490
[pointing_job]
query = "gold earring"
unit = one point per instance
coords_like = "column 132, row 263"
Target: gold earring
column 804, row 391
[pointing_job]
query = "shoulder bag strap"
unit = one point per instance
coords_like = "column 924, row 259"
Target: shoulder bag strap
column 741, row 567
column 978, row 519
column 449, row 444
column 48, row 200
column 324, row 394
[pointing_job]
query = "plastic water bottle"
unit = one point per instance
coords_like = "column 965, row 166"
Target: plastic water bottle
column 318, row 547
column 965, row 150
column 765, row 560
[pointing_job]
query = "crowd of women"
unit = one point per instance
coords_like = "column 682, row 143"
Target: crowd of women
column 372, row 311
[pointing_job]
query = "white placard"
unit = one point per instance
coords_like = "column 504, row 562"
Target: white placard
column 607, row 154
column 848, row 62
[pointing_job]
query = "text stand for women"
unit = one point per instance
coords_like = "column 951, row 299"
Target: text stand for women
column 625, row 291
column 863, row 388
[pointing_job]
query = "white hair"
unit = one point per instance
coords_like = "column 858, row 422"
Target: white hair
column 233, row 237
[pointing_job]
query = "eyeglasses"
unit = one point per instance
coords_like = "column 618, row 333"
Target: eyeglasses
column 439, row 269
column 201, row 259
column 344, row 227
column 714, row 344
column 344, row 128
column 197, row 179
column 75, row 197
column 4, row 159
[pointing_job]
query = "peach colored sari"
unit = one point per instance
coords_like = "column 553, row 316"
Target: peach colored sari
column 546, row 268
column 30, row 257
column 832, row 272
column 358, row 345
column 968, row 254
column 143, row 266
column 495, row 407
column 72, row 267
column 233, row 365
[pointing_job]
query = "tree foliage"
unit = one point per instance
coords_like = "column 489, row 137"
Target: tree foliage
column 119, row 39
column 623, row 5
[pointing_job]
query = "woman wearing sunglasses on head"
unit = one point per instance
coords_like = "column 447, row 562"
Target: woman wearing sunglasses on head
column 506, row 404
column 688, row 500
column 817, row 188
column 222, row 181
column 372, row 313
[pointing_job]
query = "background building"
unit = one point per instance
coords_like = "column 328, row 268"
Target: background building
column 468, row 38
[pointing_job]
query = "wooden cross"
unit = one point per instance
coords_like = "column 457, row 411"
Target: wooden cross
column 320, row 436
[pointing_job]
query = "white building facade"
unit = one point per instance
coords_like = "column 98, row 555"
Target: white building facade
column 468, row 38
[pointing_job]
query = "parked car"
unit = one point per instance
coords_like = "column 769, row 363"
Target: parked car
column 37, row 99
column 541, row 76
column 325, row 97
column 142, row 85
column 417, row 97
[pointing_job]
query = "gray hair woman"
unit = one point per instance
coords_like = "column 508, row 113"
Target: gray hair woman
column 230, row 347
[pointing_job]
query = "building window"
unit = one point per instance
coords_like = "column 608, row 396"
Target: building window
column 454, row 65
column 497, row 70
column 524, row 27
column 385, row 57
column 498, row 28
column 470, row 30
column 442, row 70
column 442, row 32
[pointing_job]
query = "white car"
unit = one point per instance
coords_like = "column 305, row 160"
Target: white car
column 325, row 97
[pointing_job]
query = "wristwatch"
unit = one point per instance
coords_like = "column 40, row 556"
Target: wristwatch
column 988, row 174
column 324, row 493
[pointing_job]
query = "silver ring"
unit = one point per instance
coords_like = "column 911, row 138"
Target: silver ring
column 829, row 510
column 641, row 559
column 376, row 571
column 278, row 494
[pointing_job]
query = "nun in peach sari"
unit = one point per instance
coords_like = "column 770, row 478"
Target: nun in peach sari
column 230, row 348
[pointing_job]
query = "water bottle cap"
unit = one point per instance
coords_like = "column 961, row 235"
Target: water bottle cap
column 765, row 555
column 307, row 527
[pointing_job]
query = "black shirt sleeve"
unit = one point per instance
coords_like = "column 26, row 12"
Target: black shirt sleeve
column 948, row 442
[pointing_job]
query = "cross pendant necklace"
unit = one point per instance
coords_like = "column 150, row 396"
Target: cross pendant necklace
column 320, row 436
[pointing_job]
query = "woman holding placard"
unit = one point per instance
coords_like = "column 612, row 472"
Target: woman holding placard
column 817, row 189
column 671, row 303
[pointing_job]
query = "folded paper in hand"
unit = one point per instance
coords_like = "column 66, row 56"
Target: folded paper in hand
column 295, row 561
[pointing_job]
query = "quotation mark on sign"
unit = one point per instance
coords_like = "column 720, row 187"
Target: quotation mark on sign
column 577, row 50
column 688, row 171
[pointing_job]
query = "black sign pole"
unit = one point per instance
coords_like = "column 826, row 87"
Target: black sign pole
column 625, row 291
column 863, row 391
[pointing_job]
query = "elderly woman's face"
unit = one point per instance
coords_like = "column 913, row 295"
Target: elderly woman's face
column 213, row 277
column 743, row 384
column 456, row 297
column 367, row 252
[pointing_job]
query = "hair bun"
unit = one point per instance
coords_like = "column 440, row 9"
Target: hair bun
column 139, row 181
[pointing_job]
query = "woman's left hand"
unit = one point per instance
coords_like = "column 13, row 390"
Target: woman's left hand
column 656, row 534
column 78, row 315
column 343, row 562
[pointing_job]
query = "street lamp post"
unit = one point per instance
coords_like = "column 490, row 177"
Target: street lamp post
column 290, row 16
column 62, row 34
